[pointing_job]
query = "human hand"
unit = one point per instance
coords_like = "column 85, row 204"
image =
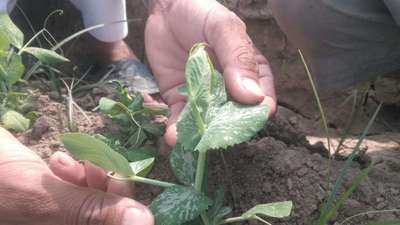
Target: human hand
column 174, row 26
column 69, row 193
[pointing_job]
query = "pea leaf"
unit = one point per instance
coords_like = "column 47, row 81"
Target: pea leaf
column 177, row 205
column 142, row 167
column 218, row 211
column 15, row 121
column 183, row 164
column 111, row 107
column 11, row 67
column 188, row 133
column 86, row 147
column 276, row 210
column 141, row 154
column 46, row 56
column 209, row 120
column 231, row 124
column 10, row 32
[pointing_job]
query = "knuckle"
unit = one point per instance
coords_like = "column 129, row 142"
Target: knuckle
column 95, row 210
column 246, row 58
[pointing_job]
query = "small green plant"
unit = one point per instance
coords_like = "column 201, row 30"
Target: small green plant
column 12, row 48
column 136, row 119
column 209, row 122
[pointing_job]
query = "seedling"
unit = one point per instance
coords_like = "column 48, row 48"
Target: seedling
column 208, row 122
column 12, row 48
column 137, row 120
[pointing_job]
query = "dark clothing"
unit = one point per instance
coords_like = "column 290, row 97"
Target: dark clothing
column 344, row 41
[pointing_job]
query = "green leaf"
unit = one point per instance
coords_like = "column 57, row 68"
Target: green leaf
column 177, row 205
column 143, row 167
column 183, row 164
column 209, row 121
column 217, row 212
column 153, row 128
column 232, row 124
column 276, row 210
column 197, row 221
column 15, row 121
column 137, row 102
column 111, row 107
column 32, row 116
column 11, row 68
column 46, row 56
column 141, row 154
column 137, row 138
column 198, row 77
column 86, row 147
column 10, row 31
column 188, row 133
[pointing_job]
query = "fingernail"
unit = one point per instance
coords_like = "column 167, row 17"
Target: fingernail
column 136, row 216
column 252, row 86
column 65, row 160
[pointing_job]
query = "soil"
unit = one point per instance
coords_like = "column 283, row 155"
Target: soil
column 287, row 161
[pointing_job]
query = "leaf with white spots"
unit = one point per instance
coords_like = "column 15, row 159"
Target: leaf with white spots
column 177, row 205
column 209, row 120
column 232, row 124
column 183, row 164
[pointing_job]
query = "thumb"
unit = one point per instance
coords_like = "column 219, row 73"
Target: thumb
column 226, row 35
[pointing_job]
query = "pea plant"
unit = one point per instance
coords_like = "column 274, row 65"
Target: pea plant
column 12, row 48
column 209, row 122
column 136, row 119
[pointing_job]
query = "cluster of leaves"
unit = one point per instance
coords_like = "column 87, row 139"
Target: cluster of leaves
column 137, row 120
column 208, row 122
column 12, row 48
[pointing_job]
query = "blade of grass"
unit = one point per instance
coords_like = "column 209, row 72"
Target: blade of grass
column 368, row 213
column 320, row 108
column 345, row 195
column 71, row 37
column 324, row 120
column 329, row 203
column 354, row 112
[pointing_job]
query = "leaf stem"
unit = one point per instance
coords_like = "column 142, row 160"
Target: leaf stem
column 152, row 182
column 201, row 163
column 232, row 220
column 204, row 217
column 143, row 180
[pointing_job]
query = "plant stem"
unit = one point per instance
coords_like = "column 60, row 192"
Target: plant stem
column 232, row 220
column 152, row 182
column 198, row 182
column 201, row 163
column 204, row 217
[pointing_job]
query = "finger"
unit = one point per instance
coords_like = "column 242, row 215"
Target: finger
column 96, row 177
column 88, row 206
column 266, row 81
column 226, row 35
column 67, row 169
column 170, row 133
